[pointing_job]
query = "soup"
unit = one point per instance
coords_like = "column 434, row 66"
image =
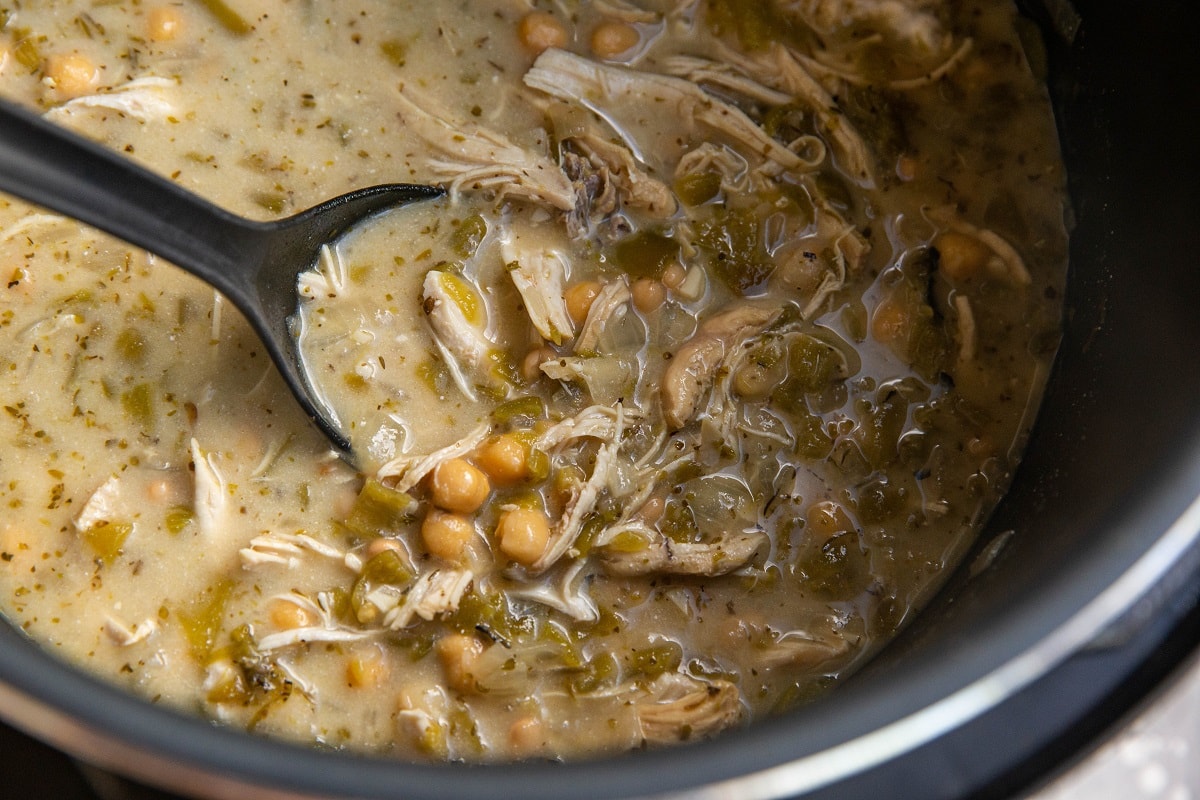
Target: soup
column 713, row 359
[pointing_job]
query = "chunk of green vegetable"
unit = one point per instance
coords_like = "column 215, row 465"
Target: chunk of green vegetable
column 379, row 509
column 107, row 539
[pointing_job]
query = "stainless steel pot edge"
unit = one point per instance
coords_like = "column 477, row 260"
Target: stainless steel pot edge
column 829, row 766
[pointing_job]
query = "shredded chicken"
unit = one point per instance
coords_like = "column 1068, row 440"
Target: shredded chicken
column 566, row 593
column 622, row 95
column 435, row 593
column 777, row 70
column 211, row 496
column 125, row 635
column 464, row 346
column 145, row 99
column 405, row 472
column 285, row 549
column 1006, row 263
column 676, row 707
column 597, row 422
column 610, row 303
column 803, row 649
column 482, row 159
column 830, row 71
column 708, row 157
column 661, row 555
column 692, row 370
column 328, row 280
column 636, row 188
column 582, row 500
column 100, row 507
column 329, row 629
column 538, row 272
column 910, row 21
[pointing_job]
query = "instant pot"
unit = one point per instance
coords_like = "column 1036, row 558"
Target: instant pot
column 1079, row 600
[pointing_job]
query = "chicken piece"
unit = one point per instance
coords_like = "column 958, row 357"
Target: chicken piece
column 607, row 378
column 967, row 330
column 405, row 472
column 435, row 593
column 610, row 303
column 455, row 316
column 663, row 556
column 483, row 159
column 636, row 188
column 708, row 157
column 676, row 707
column 211, row 500
column 285, row 549
column 566, row 593
column 298, row 636
column 909, row 21
column 328, row 280
column 100, row 507
column 702, row 70
column 127, row 635
column 778, row 70
column 691, row 372
column 595, row 193
column 598, row 422
column 799, row 649
column 1004, row 262
column 145, row 99
column 582, row 499
column 622, row 95
column 539, row 272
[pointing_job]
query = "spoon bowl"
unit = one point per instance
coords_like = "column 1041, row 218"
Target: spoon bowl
column 253, row 264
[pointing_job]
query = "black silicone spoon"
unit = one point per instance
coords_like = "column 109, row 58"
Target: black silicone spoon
column 253, row 264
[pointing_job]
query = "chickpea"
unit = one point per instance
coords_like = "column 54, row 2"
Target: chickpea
column 827, row 518
column 531, row 366
column 907, row 167
column 802, row 272
column 158, row 490
column 287, row 616
column 504, row 458
column 673, row 276
column 380, row 545
column 445, row 534
column 579, row 299
column 652, row 510
column 72, row 74
column 367, row 670
column 611, row 39
column 648, row 294
column 526, row 735
column 754, row 381
column 523, row 534
column 540, row 31
column 459, row 486
column 960, row 257
column 458, row 654
column 890, row 323
column 164, row 24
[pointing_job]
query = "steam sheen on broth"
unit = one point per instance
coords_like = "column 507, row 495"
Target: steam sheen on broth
column 715, row 357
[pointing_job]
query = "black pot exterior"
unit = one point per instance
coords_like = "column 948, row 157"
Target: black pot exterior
column 1105, row 515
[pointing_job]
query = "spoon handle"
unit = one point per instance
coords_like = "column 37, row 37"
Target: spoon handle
column 51, row 167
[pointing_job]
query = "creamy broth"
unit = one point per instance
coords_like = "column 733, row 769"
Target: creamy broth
column 718, row 352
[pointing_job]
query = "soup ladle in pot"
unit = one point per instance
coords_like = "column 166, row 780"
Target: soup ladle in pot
column 253, row 264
